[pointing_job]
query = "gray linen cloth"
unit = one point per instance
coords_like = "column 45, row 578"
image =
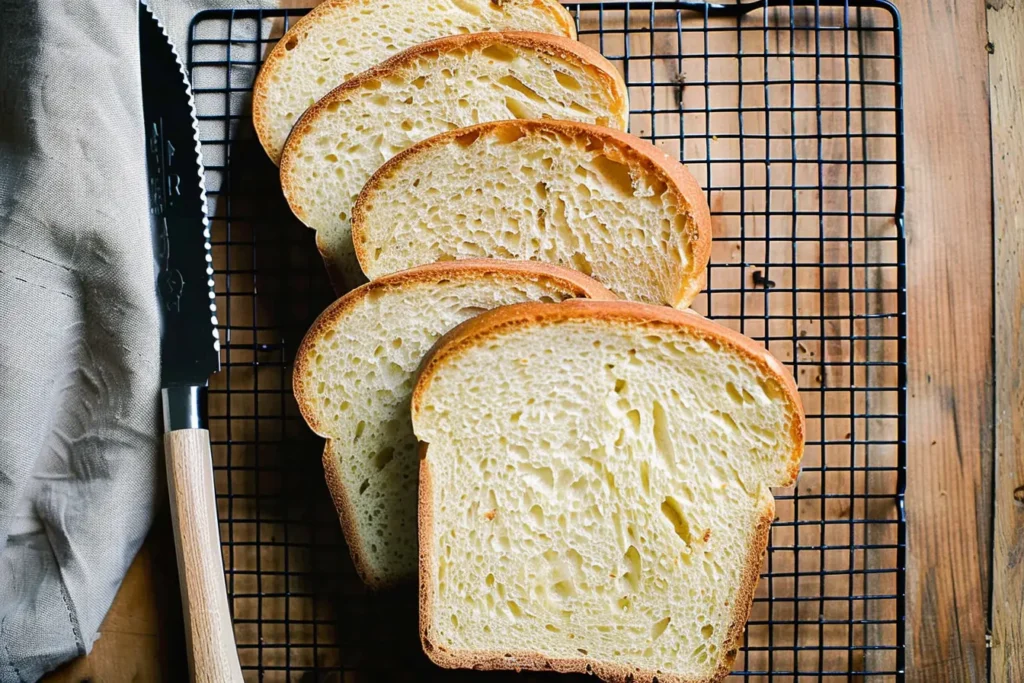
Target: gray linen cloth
column 81, row 470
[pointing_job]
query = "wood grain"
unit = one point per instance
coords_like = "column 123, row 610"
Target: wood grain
column 950, row 413
column 208, row 630
column 1006, row 72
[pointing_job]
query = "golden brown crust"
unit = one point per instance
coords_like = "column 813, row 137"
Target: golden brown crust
column 748, row 584
column 278, row 52
column 522, row 271
column 473, row 331
column 347, row 517
column 631, row 148
column 342, row 281
column 558, row 46
column 488, row 324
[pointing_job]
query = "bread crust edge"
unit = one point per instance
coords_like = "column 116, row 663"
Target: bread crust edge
column 635, row 150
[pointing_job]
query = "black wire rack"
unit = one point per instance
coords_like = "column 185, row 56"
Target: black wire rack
column 789, row 113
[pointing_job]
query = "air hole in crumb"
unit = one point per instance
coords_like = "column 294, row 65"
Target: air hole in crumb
column 381, row 460
column 734, row 393
column 673, row 512
column 291, row 44
column 470, row 311
column 508, row 134
column 467, row 139
column 567, row 81
column 659, row 627
column 365, row 485
column 517, row 108
column 498, row 53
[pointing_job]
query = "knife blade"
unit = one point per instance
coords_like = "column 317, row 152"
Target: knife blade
column 190, row 348
column 190, row 352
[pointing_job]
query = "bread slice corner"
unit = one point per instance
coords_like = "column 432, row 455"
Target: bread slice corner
column 601, row 524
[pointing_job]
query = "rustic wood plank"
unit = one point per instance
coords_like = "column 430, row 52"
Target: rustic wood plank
column 949, row 339
column 1006, row 72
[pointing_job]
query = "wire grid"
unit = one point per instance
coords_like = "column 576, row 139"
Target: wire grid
column 790, row 115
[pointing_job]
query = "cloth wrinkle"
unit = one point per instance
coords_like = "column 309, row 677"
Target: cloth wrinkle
column 7, row 655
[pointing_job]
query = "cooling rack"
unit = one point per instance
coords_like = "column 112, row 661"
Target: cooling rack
column 789, row 113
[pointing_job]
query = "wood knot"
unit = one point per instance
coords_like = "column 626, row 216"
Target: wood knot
column 1018, row 494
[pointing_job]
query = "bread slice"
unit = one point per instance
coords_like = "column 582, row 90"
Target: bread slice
column 431, row 88
column 588, row 197
column 340, row 38
column 354, row 374
column 594, row 494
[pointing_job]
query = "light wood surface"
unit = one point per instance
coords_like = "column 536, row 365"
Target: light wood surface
column 1006, row 71
column 949, row 294
column 209, row 635
column 964, row 425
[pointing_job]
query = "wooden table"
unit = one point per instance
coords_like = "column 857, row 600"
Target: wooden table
column 964, row 66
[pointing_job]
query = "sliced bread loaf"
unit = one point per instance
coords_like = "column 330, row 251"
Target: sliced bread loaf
column 354, row 374
column 340, row 38
column 588, row 197
column 594, row 493
column 431, row 88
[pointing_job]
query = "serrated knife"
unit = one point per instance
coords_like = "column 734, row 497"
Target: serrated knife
column 190, row 349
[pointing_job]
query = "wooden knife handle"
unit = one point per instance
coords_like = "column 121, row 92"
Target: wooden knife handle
column 212, row 657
